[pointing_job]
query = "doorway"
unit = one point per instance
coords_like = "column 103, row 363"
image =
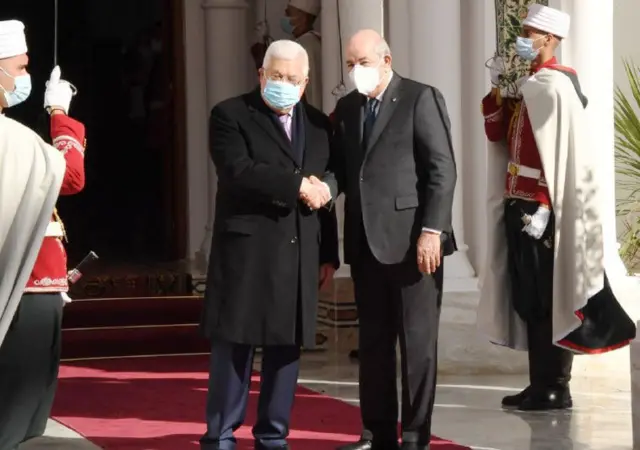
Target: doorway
column 126, row 60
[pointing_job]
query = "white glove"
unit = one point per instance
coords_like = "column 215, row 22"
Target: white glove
column 497, row 68
column 65, row 298
column 536, row 224
column 58, row 93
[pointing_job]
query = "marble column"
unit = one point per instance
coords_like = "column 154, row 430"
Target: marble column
column 352, row 15
column 196, row 121
column 227, row 53
column 634, row 362
column 339, row 20
column 591, row 55
column 399, row 35
column 331, row 64
column 596, row 79
column 596, row 74
column 435, row 58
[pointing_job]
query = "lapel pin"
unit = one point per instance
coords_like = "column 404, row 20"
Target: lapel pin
column 393, row 99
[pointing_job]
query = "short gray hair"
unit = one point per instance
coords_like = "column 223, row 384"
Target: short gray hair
column 288, row 51
column 382, row 48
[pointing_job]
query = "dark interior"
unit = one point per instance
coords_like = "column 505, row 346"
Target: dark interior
column 120, row 54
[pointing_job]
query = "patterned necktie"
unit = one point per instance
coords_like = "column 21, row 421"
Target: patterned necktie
column 369, row 120
column 285, row 120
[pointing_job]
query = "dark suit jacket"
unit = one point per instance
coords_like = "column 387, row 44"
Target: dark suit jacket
column 262, row 285
column 405, row 178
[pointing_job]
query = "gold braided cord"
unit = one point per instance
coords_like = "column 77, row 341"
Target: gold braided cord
column 514, row 118
column 57, row 218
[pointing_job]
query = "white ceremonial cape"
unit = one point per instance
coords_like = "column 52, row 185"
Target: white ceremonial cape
column 558, row 120
column 31, row 174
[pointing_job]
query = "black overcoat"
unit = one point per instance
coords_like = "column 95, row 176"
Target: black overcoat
column 262, row 282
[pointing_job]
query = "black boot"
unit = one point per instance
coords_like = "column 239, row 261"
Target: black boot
column 366, row 444
column 558, row 397
column 514, row 401
column 549, row 371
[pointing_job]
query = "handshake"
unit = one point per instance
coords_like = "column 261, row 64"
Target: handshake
column 314, row 192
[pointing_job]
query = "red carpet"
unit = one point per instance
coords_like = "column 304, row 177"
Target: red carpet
column 158, row 404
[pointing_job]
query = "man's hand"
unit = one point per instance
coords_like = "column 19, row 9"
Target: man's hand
column 326, row 275
column 57, row 97
column 314, row 192
column 429, row 253
column 536, row 224
column 324, row 187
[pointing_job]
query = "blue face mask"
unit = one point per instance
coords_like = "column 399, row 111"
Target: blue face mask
column 286, row 25
column 281, row 95
column 524, row 48
column 20, row 92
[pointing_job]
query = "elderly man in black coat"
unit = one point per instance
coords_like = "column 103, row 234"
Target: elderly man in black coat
column 274, row 245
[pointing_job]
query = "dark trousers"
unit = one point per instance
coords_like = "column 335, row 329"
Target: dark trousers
column 229, row 382
column 396, row 302
column 531, row 273
column 29, row 362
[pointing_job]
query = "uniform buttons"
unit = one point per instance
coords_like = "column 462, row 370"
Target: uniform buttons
column 294, row 240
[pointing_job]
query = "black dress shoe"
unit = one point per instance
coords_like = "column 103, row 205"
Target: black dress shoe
column 362, row 444
column 366, row 444
column 514, row 401
column 414, row 446
column 547, row 399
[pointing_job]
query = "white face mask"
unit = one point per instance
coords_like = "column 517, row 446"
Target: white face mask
column 365, row 79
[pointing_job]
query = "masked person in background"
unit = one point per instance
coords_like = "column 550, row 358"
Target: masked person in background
column 300, row 16
column 545, row 290
column 32, row 175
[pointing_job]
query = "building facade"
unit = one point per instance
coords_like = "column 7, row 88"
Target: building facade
column 445, row 43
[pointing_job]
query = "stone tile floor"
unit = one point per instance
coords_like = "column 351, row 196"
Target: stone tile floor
column 467, row 411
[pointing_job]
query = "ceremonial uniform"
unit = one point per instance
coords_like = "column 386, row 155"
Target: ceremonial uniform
column 50, row 271
column 531, row 260
column 30, row 351
column 528, row 302
column 524, row 175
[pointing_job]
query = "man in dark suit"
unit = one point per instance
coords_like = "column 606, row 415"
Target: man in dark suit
column 263, row 278
column 392, row 158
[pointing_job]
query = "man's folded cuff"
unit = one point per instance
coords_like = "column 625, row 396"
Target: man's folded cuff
column 329, row 204
column 431, row 230
column 328, row 189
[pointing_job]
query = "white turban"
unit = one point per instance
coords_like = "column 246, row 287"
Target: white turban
column 547, row 19
column 12, row 39
column 309, row 6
